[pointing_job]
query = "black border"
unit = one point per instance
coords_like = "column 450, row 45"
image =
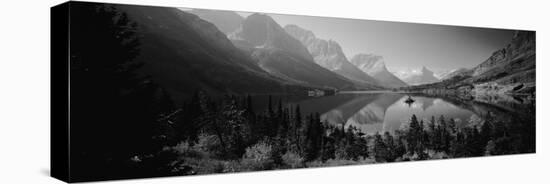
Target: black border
column 59, row 78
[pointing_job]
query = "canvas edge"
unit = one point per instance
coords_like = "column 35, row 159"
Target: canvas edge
column 59, row 91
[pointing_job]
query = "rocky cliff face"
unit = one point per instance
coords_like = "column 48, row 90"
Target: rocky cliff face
column 263, row 32
column 374, row 66
column 510, row 70
column 329, row 55
column 514, row 63
column 496, row 58
column 282, row 55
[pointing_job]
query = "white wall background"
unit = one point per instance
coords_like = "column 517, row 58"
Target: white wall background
column 24, row 90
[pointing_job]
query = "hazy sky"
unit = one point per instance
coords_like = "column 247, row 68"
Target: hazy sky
column 406, row 46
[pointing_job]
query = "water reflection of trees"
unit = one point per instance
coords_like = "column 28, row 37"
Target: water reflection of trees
column 370, row 118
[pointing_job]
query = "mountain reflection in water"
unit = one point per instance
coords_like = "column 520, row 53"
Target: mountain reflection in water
column 381, row 112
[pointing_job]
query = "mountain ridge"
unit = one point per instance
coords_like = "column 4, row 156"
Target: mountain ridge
column 425, row 76
column 329, row 54
column 183, row 54
column 375, row 66
column 510, row 70
column 282, row 55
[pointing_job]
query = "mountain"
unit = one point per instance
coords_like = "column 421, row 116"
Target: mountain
column 453, row 73
column 226, row 21
column 374, row 66
column 183, row 53
column 262, row 31
column 282, row 55
column 329, row 55
column 510, row 70
column 514, row 63
column 424, row 76
column 442, row 73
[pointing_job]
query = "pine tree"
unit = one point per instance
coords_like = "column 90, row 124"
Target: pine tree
column 413, row 134
column 298, row 116
column 380, row 149
column 249, row 107
column 486, row 131
column 390, row 145
column 270, row 106
column 280, row 109
column 432, row 133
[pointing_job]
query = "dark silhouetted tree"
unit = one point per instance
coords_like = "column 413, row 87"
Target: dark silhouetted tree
column 115, row 108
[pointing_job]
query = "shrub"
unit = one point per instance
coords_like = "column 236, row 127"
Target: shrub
column 199, row 158
column 437, row 155
column 292, row 160
column 210, row 144
column 258, row 157
column 184, row 149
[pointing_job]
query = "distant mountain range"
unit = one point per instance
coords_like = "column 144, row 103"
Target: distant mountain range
column 374, row 66
column 423, row 76
column 329, row 55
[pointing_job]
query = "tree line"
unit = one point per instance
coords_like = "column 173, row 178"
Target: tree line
column 235, row 129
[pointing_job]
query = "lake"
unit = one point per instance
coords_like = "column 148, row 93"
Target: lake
column 373, row 112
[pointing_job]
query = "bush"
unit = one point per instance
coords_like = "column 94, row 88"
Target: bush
column 437, row 155
column 197, row 159
column 184, row 149
column 258, row 157
column 210, row 144
column 292, row 160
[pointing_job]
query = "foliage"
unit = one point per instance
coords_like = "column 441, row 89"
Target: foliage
column 258, row 157
column 292, row 160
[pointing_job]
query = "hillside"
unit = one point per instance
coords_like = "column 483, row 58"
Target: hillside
column 184, row 53
column 510, row 70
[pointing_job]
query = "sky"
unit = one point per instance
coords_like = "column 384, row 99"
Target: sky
column 405, row 46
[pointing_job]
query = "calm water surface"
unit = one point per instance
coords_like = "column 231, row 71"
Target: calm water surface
column 381, row 112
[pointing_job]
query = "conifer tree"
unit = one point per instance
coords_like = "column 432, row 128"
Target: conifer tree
column 390, row 145
column 380, row 149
